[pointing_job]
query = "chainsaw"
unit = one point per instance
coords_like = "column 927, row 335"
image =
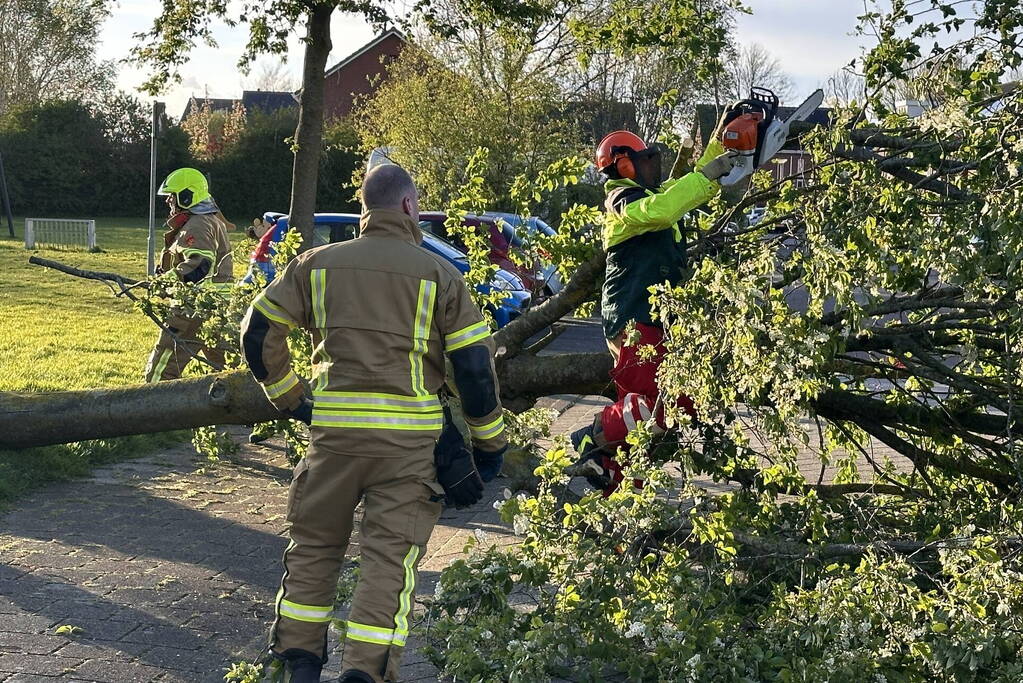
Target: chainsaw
column 754, row 132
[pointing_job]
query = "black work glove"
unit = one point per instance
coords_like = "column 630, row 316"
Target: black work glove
column 455, row 469
column 303, row 412
column 488, row 462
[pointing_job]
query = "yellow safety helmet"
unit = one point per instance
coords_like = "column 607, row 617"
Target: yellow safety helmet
column 188, row 186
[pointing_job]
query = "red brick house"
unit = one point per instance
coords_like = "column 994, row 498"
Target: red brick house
column 360, row 73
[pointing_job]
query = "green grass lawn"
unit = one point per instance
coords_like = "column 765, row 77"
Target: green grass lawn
column 59, row 332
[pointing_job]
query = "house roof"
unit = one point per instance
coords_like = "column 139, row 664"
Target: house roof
column 215, row 104
column 707, row 116
column 366, row 48
column 267, row 100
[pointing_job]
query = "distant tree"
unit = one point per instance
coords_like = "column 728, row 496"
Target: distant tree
column 47, row 51
column 211, row 133
column 637, row 54
column 845, row 87
column 272, row 75
column 166, row 46
column 253, row 175
column 753, row 65
column 70, row 158
column 434, row 118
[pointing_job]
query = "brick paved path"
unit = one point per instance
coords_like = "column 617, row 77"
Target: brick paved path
column 169, row 572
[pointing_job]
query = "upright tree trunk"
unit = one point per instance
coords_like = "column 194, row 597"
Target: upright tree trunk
column 309, row 134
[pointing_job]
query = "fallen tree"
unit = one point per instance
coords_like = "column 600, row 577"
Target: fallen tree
column 848, row 500
column 234, row 397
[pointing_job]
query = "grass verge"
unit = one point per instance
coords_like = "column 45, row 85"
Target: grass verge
column 60, row 333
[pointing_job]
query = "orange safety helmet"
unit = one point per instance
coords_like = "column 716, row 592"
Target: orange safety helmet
column 613, row 150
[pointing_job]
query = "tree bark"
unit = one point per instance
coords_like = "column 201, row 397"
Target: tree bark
column 68, row 416
column 235, row 398
column 309, row 133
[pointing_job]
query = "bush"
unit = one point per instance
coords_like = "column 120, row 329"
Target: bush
column 66, row 158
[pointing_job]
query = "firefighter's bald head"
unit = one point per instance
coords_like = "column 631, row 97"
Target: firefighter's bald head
column 389, row 186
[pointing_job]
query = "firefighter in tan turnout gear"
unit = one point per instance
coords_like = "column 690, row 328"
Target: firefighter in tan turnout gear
column 383, row 312
column 197, row 249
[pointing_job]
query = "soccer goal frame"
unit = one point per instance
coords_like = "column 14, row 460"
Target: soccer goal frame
column 65, row 232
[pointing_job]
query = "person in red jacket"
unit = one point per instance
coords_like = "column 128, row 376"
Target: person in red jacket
column 645, row 247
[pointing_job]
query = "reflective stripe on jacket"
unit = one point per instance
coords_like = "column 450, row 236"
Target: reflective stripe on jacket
column 382, row 312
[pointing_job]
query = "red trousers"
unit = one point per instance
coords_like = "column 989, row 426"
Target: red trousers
column 636, row 380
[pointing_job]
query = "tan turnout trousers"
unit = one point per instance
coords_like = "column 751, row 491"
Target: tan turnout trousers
column 398, row 518
column 172, row 352
column 198, row 250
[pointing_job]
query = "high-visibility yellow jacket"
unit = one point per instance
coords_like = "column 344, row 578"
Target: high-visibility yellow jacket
column 382, row 312
column 645, row 245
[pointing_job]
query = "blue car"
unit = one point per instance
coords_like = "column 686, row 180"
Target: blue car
column 329, row 228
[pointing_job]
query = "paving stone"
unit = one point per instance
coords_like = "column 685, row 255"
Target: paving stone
column 43, row 665
column 169, row 636
column 27, row 623
column 103, row 630
column 117, row 672
column 175, row 659
column 30, row 643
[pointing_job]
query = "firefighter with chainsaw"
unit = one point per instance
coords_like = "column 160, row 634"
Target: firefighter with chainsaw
column 383, row 313
column 645, row 247
column 197, row 250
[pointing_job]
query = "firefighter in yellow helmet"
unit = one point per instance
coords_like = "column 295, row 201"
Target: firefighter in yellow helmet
column 383, row 313
column 197, row 249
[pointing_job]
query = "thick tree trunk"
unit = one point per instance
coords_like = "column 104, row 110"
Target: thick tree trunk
column 235, row 398
column 68, row 416
column 309, row 134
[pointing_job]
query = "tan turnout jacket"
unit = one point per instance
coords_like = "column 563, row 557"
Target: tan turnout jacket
column 201, row 239
column 382, row 312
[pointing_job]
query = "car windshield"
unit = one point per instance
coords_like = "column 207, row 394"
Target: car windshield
column 443, row 247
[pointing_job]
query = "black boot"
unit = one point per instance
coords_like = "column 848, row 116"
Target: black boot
column 301, row 666
column 355, row 676
column 591, row 459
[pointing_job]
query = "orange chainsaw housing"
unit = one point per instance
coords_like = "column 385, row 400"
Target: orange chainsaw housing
column 741, row 133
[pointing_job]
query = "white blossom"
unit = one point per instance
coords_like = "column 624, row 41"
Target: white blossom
column 636, row 628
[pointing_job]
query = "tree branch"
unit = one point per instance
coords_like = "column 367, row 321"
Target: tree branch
column 79, row 272
column 579, row 289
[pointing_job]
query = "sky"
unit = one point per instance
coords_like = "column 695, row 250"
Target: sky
column 811, row 38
